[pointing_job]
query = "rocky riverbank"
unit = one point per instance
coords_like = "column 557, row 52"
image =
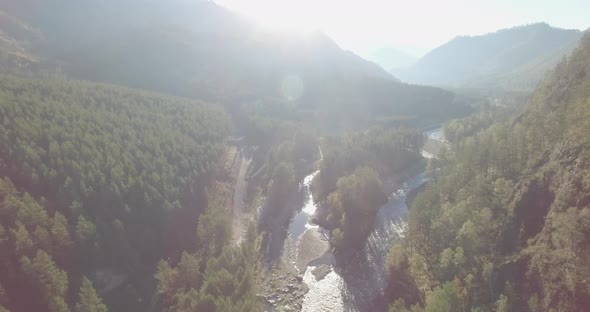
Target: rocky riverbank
column 313, row 249
column 284, row 287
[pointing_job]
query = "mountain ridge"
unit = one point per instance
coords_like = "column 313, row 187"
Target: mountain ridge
column 390, row 58
column 481, row 61
column 519, row 184
column 220, row 57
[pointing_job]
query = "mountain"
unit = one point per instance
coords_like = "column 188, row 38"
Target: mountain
column 16, row 38
column 172, row 46
column 510, row 59
column 390, row 58
column 201, row 50
column 127, row 194
column 505, row 223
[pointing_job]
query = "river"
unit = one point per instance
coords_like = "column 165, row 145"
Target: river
column 354, row 285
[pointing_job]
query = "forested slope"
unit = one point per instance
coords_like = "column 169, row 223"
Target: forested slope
column 204, row 51
column 349, row 185
column 103, row 181
column 505, row 224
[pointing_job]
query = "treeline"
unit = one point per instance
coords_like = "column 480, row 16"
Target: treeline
column 344, row 103
column 218, row 57
column 214, row 275
column 349, row 185
column 456, row 130
column 505, row 224
column 110, row 180
column 36, row 246
column 277, row 133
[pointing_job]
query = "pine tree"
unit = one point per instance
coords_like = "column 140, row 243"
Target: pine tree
column 49, row 278
column 188, row 269
column 59, row 232
column 85, row 229
column 89, row 300
column 167, row 281
column 444, row 299
column 22, row 239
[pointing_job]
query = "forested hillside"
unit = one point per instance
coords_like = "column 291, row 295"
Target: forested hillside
column 103, row 182
column 178, row 156
column 349, row 182
column 505, row 223
column 108, row 187
column 201, row 50
column 512, row 59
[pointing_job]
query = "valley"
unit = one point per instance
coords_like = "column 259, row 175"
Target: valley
column 352, row 284
column 183, row 156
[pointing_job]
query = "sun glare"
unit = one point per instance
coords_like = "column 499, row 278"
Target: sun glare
column 295, row 16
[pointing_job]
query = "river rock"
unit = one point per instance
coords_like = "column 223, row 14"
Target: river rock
column 312, row 246
column 321, row 272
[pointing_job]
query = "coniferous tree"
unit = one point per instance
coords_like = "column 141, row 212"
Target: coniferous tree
column 49, row 279
column 89, row 301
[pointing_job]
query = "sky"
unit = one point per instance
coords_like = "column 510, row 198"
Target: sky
column 412, row 26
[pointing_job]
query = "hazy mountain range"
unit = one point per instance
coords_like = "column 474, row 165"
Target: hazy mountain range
column 204, row 51
column 390, row 58
column 511, row 59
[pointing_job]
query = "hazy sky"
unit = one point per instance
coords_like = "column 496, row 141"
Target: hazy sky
column 413, row 26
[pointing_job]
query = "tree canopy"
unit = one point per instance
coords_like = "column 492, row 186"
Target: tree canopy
column 96, row 176
column 505, row 224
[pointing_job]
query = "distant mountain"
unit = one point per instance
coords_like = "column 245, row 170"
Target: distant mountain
column 163, row 44
column 509, row 59
column 16, row 38
column 390, row 58
column 201, row 50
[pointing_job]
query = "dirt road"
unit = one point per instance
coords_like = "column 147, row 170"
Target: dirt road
column 240, row 217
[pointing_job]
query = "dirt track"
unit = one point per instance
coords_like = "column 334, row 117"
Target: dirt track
column 239, row 192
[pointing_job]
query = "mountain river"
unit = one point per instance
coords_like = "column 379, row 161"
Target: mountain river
column 354, row 285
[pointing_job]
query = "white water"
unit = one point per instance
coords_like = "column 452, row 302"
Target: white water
column 436, row 134
column 310, row 207
column 353, row 287
column 325, row 295
column 300, row 223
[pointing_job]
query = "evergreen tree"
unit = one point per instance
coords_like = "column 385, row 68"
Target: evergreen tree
column 444, row 299
column 22, row 239
column 89, row 300
column 508, row 207
column 49, row 279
